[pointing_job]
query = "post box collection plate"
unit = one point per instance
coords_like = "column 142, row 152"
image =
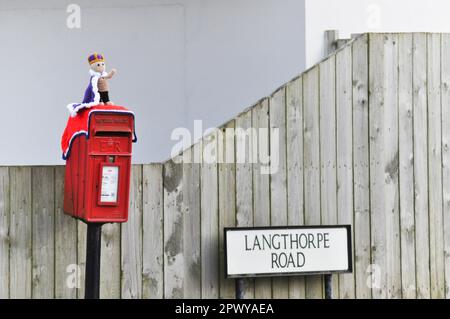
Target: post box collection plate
column 109, row 184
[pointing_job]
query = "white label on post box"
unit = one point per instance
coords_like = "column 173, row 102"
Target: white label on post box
column 110, row 179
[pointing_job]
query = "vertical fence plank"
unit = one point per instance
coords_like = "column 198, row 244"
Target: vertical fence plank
column 244, row 196
column 327, row 115
column 173, row 229
column 65, row 244
column 227, row 199
column 132, row 240
column 261, row 183
column 81, row 257
column 20, row 232
column 191, row 226
column 152, row 252
column 209, row 195
column 406, row 170
column 421, row 165
column 376, row 131
column 278, row 191
column 445, row 74
column 383, row 109
column 294, row 159
column 391, row 168
column 344, row 155
column 312, row 164
column 43, row 220
column 4, row 232
column 435, row 165
column 110, row 262
column 361, row 190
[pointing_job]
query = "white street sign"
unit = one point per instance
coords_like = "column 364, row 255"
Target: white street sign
column 274, row 251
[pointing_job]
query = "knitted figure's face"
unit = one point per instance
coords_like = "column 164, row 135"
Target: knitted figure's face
column 98, row 67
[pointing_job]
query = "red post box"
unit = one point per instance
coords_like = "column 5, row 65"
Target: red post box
column 97, row 180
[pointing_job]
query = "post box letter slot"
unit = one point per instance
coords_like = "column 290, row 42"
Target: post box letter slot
column 112, row 133
column 109, row 184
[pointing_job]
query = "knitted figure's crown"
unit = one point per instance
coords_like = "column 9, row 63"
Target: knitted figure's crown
column 96, row 57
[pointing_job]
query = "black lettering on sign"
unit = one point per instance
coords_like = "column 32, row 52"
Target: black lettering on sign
column 246, row 243
column 288, row 260
column 275, row 261
column 287, row 241
column 311, row 241
column 326, row 237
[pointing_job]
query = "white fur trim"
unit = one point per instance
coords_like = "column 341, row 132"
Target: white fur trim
column 94, row 80
column 71, row 140
column 93, row 73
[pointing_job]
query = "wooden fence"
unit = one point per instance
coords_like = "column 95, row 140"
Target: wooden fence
column 363, row 139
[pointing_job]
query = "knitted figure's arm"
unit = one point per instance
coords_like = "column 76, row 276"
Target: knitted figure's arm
column 110, row 74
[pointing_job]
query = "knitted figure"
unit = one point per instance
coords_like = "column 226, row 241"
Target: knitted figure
column 97, row 91
column 97, row 63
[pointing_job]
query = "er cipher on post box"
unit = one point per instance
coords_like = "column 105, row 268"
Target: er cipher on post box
column 97, row 180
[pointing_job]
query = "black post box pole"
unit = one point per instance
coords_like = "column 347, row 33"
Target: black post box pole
column 93, row 253
column 328, row 286
column 239, row 288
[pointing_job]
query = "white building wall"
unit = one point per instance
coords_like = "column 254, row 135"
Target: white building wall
column 359, row 16
column 177, row 61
